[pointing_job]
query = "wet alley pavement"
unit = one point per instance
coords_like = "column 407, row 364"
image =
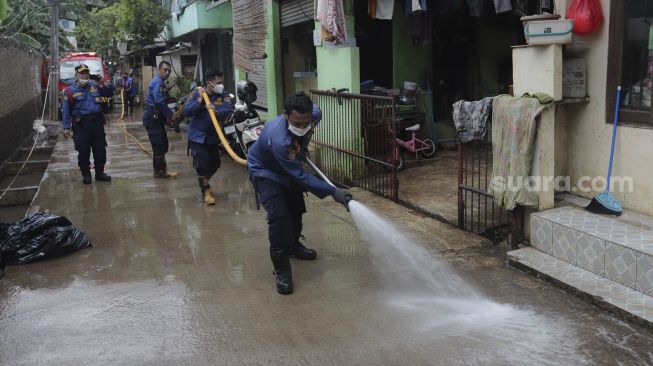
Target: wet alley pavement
column 173, row 282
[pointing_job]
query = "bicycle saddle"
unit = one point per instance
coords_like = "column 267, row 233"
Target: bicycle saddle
column 414, row 127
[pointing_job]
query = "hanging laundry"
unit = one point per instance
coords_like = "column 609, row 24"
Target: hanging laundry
column 502, row 6
column 471, row 118
column 331, row 15
column 380, row 9
column 371, row 8
column 415, row 5
column 475, row 8
column 514, row 123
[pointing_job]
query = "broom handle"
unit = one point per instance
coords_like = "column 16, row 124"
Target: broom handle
column 614, row 134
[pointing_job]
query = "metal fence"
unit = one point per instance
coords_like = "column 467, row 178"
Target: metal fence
column 354, row 142
column 477, row 211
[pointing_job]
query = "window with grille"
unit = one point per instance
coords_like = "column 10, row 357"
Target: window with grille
column 630, row 62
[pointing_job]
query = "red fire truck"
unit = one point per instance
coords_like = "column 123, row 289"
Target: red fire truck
column 69, row 62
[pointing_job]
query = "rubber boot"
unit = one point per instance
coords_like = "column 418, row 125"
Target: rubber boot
column 165, row 168
column 206, row 190
column 299, row 251
column 86, row 176
column 101, row 175
column 160, row 168
column 282, row 273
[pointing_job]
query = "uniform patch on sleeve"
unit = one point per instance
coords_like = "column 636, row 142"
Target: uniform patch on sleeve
column 218, row 101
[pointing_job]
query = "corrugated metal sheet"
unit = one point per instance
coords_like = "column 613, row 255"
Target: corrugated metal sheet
column 250, row 26
column 296, row 11
column 258, row 77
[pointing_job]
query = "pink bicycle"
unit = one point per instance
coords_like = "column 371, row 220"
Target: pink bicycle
column 426, row 147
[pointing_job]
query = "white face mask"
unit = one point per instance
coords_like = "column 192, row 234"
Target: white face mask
column 299, row 131
column 218, row 88
column 83, row 82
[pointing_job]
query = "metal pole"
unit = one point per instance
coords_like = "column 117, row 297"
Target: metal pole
column 54, row 63
column 319, row 172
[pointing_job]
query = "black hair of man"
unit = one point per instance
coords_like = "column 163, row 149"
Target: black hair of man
column 299, row 102
column 212, row 74
column 164, row 63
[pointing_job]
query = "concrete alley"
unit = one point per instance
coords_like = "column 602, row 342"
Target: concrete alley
column 171, row 281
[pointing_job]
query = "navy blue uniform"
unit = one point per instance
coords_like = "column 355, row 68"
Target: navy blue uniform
column 82, row 111
column 129, row 93
column 275, row 165
column 202, row 138
column 155, row 114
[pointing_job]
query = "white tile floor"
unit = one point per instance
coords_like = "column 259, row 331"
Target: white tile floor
column 618, row 248
column 612, row 292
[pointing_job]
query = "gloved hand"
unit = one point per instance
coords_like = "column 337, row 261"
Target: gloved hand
column 66, row 133
column 342, row 197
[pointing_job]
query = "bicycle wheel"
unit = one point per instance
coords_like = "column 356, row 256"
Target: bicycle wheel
column 430, row 149
column 396, row 159
column 399, row 163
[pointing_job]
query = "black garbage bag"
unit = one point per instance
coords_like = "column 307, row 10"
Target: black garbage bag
column 38, row 236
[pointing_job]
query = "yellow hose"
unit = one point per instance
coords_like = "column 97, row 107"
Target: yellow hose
column 123, row 126
column 218, row 129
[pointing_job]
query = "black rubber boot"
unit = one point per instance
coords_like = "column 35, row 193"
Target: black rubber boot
column 283, row 273
column 101, row 175
column 86, row 176
column 303, row 253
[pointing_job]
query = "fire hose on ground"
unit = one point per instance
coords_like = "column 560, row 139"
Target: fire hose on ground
column 123, row 126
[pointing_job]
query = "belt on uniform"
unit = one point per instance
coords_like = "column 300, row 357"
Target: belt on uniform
column 91, row 117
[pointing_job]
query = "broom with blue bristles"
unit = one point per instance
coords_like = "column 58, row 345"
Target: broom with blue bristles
column 604, row 202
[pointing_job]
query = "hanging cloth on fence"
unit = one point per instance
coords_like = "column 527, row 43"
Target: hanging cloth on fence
column 514, row 123
column 331, row 15
column 502, row 6
column 471, row 118
column 380, row 9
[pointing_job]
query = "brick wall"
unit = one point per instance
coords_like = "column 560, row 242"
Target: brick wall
column 19, row 94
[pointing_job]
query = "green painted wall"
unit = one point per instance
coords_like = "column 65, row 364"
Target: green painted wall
column 218, row 17
column 410, row 63
column 274, row 74
column 196, row 16
column 338, row 68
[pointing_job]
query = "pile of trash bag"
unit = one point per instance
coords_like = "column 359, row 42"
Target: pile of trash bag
column 39, row 236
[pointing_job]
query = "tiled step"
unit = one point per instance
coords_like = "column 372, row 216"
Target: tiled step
column 619, row 249
column 608, row 295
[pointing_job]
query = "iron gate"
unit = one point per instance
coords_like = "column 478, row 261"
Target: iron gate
column 477, row 211
column 354, row 142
